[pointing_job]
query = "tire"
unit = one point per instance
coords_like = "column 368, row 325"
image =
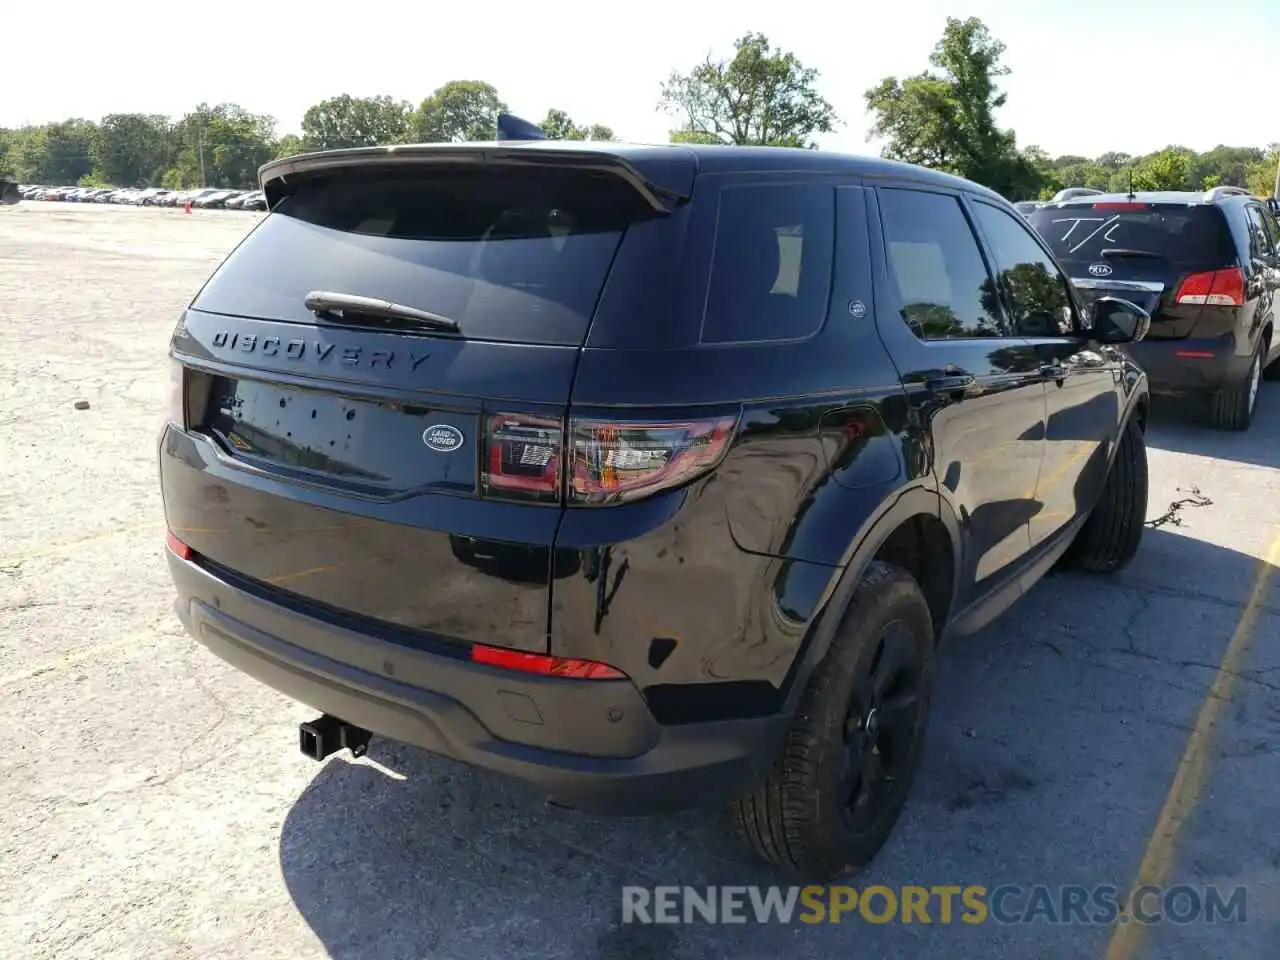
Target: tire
column 1232, row 408
column 797, row 817
column 1110, row 537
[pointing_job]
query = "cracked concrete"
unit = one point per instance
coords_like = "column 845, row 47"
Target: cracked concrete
column 155, row 804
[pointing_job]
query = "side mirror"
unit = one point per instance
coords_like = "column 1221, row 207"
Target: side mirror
column 9, row 193
column 1115, row 320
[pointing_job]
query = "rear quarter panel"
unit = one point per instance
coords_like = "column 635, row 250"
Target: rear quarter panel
column 722, row 583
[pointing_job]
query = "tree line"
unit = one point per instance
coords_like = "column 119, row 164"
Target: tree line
column 942, row 117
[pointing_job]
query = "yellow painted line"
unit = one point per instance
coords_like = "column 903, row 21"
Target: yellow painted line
column 69, row 660
column 1193, row 768
column 1056, row 473
column 283, row 578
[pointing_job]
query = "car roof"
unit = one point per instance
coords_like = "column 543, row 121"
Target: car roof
column 1185, row 197
column 708, row 159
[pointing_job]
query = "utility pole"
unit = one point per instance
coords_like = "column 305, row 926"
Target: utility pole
column 200, row 147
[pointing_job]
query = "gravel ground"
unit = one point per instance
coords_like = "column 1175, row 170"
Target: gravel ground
column 155, row 804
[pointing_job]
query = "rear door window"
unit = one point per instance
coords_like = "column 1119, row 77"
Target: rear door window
column 771, row 266
column 1176, row 233
column 936, row 267
column 511, row 254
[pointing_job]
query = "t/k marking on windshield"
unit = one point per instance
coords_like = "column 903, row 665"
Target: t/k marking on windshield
column 1108, row 225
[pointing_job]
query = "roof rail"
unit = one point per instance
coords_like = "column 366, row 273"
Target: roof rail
column 1072, row 192
column 1217, row 193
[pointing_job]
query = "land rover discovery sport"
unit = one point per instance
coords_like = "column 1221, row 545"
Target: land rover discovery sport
column 650, row 475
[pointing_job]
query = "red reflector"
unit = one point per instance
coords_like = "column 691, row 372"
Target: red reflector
column 177, row 546
column 544, row 665
column 1195, row 354
column 1120, row 206
column 1216, row 288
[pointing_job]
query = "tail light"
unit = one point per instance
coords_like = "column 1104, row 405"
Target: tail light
column 523, row 456
column 608, row 461
column 615, row 461
column 544, row 665
column 176, row 412
column 1218, row 288
column 1121, row 205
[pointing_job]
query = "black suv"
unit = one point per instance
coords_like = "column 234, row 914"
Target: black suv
column 649, row 475
column 1205, row 265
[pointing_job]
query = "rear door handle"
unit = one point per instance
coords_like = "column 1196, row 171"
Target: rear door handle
column 1053, row 371
column 954, row 383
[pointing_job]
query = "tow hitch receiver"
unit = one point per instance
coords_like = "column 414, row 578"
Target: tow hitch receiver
column 326, row 735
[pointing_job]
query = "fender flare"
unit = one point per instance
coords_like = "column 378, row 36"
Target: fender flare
column 918, row 499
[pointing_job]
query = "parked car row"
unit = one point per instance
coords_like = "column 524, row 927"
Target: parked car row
column 204, row 197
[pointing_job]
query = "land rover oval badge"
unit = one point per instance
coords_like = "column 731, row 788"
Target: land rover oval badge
column 442, row 438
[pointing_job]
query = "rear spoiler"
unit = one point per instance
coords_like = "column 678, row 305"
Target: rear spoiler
column 278, row 178
column 8, row 193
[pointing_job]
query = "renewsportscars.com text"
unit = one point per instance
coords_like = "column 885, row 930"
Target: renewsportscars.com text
column 944, row 904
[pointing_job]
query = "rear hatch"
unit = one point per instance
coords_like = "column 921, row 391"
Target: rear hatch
column 376, row 382
column 1172, row 259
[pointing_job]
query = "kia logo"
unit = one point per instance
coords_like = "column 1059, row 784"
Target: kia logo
column 442, row 438
column 1100, row 269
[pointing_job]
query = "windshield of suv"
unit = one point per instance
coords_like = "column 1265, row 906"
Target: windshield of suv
column 512, row 254
column 1179, row 233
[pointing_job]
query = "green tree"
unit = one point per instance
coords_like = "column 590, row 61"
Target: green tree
column 232, row 141
column 132, row 149
column 6, row 165
column 946, row 119
column 1260, row 176
column 559, row 126
column 347, row 121
column 1223, row 165
column 458, row 111
column 759, row 97
column 1082, row 173
column 1170, row 169
column 57, row 153
column 1115, row 160
column 289, row 145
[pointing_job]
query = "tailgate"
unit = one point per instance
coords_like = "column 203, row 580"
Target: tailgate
column 367, row 467
column 1139, row 251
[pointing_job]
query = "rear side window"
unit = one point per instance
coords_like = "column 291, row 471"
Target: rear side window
column 936, row 267
column 771, row 267
column 1179, row 233
column 510, row 254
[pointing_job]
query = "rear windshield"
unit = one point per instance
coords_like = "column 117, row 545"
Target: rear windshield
column 1177, row 233
column 510, row 254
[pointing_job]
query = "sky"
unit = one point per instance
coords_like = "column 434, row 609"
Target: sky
column 1087, row 76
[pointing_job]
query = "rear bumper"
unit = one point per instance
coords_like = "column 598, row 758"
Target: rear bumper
column 593, row 745
column 1171, row 371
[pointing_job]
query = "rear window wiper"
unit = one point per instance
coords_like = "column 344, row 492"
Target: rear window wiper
column 351, row 308
column 1128, row 252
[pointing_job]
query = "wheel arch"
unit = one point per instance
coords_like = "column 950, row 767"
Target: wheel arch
column 914, row 529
